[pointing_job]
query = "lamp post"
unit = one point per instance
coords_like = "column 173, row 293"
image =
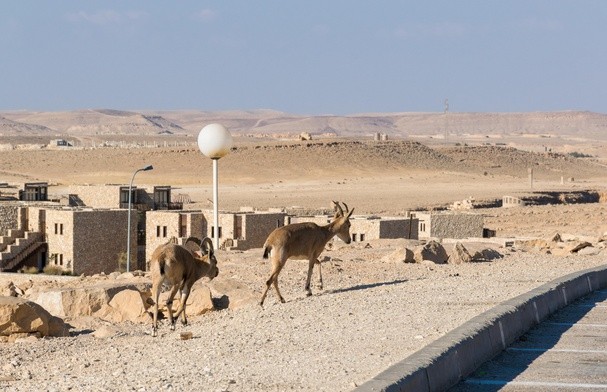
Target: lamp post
column 128, row 234
column 215, row 142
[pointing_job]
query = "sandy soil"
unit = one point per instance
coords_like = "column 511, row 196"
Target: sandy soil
column 373, row 311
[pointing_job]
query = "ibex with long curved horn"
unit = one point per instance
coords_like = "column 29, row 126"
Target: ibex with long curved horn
column 303, row 241
column 181, row 268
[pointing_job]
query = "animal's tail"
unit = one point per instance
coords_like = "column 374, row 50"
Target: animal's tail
column 266, row 251
column 161, row 264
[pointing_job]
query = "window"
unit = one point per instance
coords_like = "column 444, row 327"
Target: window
column 354, row 237
column 422, row 227
column 183, row 225
column 161, row 231
column 362, row 237
column 59, row 228
column 213, row 231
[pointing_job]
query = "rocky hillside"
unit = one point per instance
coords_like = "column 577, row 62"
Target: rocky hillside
column 278, row 124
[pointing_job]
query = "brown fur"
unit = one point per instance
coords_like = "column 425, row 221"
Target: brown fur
column 180, row 268
column 303, row 241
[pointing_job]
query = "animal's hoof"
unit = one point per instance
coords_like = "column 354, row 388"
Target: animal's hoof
column 309, row 294
column 154, row 334
column 172, row 327
column 282, row 300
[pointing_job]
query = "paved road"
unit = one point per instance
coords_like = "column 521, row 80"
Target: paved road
column 566, row 352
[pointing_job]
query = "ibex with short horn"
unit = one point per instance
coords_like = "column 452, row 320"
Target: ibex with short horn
column 180, row 268
column 303, row 241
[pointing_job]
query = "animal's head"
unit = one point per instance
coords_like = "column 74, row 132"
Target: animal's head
column 341, row 222
column 207, row 250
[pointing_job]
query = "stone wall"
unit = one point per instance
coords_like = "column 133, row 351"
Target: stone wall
column 59, row 229
column 163, row 224
column 89, row 241
column 9, row 218
column 98, row 196
column 450, row 225
column 257, row 227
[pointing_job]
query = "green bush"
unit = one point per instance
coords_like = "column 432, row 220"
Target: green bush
column 576, row 154
column 29, row 270
column 121, row 262
column 54, row 270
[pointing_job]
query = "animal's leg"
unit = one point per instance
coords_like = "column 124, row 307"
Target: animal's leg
column 155, row 295
column 311, row 263
column 276, row 268
column 169, row 303
column 185, row 293
column 320, row 286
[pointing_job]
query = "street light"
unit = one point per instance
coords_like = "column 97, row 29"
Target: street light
column 215, row 142
column 128, row 234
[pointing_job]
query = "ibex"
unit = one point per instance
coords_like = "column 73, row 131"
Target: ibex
column 180, row 268
column 303, row 241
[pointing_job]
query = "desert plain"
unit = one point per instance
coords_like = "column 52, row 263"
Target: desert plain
column 374, row 309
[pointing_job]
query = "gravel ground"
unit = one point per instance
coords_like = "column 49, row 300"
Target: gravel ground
column 373, row 312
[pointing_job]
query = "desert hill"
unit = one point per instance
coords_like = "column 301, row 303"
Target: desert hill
column 271, row 123
column 377, row 177
column 89, row 122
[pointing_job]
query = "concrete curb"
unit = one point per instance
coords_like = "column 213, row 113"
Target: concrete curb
column 444, row 362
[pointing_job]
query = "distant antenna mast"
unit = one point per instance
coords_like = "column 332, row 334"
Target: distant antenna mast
column 446, row 121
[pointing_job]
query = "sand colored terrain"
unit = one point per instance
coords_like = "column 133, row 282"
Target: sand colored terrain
column 374, row 310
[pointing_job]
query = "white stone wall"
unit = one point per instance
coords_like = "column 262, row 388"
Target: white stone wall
column 450, row 225
column 89, row 241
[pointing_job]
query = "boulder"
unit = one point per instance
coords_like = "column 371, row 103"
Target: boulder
column 20, row 316
column 126, row 305
column 487, row 254
column 401, row 255
column 199, row 302
column 70, row 301
column 537, row 245
column 233, row 294
column 81, row 301
column 432, row 251
column 8, row 290
column 459, row 254
column 569, row 247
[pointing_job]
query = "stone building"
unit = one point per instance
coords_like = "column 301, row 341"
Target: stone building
column 512, row 201
column 18, row 247
column 162, row 225
column 245, row 229
column 366, row 228
column 237, row 230
column 117, row 196
column 449, row 225
column 84, row 241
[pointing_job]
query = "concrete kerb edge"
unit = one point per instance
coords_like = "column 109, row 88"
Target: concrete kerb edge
column 444, row 362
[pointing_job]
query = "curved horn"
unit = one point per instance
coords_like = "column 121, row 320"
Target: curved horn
column 197, row 242
column 209, row 247
column 340, row 210
column 345, row 205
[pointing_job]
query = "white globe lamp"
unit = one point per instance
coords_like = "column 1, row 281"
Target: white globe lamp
column 215, row 142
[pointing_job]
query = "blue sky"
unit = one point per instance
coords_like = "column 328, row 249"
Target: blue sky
column 306, row 57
